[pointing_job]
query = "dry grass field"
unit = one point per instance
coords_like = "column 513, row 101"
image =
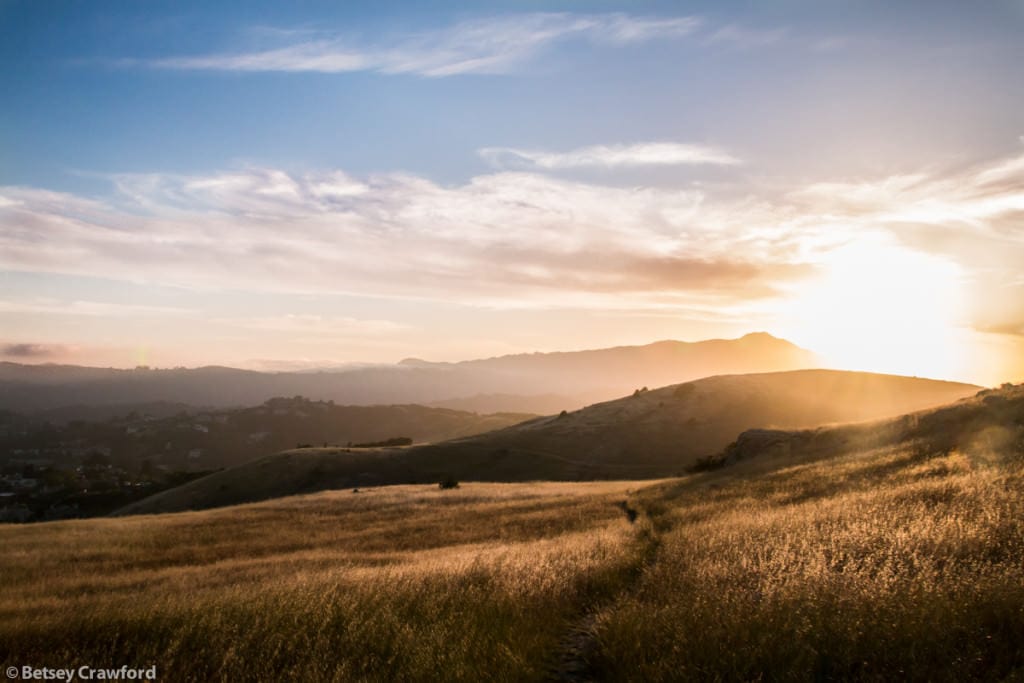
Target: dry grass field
column 389, row 584
column 892, row 565
column 902, row 560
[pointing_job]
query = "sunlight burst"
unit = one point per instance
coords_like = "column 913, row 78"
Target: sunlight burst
column 884, row 308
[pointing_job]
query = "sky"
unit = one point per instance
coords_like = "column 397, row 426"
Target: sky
column 306, row 184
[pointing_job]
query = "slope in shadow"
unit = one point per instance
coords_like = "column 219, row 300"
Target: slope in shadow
column 657, row 433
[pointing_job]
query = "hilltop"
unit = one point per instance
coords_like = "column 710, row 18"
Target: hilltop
column 987, row 425
column 655, row 433
column 531, row 383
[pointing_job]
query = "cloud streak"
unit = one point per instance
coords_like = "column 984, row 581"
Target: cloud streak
column 492, row 45
column 608, row 156
column 745, row 38
column 24, row 351
column 99, row 309
column 317, row 326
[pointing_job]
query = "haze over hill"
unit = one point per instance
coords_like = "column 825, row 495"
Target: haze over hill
column 537, row 382
column 208, row 439
column 982, row 427
column 661, row 432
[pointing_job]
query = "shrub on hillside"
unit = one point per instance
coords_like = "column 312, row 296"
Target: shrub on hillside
column 395, row 441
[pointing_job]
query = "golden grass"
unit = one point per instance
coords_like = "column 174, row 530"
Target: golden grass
column 887, row 566
column 388, row 584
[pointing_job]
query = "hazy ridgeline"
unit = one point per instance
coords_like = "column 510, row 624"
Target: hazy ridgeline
column 530, row 382
column 902, row 561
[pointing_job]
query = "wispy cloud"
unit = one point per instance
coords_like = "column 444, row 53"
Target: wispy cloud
column 317, row 325
column 974, row 218
column 500, row 239
column 1014, row 328
column 101, row 309
column 24, row 351
column 744, row 37
column 490, row 45
column 318, row 55
column 512, row 239
column 608, row 156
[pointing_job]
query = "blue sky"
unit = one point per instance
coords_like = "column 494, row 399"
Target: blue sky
column 309, row 183
column 75, row 105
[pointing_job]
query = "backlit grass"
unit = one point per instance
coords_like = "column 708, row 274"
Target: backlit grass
column 391, row 584
column 886, row 566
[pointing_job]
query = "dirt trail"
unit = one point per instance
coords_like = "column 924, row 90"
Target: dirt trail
column 574, row 659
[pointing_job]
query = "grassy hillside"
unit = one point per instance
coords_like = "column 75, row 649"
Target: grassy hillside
column 403, row 583
column 898, row 559
column 893, row 560
column 655, row 433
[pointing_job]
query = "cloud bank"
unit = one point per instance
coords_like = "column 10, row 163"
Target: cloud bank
column 507, row 238
column 516, row 239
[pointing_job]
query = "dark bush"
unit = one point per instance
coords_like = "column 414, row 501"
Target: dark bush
column 396, row 441
column 448, row 483
column 709, row 463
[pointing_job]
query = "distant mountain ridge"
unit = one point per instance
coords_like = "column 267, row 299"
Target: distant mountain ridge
column 527, row 382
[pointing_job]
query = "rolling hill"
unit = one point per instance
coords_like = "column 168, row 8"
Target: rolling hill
column 881, row 551
column 979, row 427
column 886, row 551
column 519, row 383
column 656, row 433
column 208, row 439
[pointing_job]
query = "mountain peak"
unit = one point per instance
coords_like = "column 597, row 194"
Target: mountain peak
column 759, row 336
column 417, row 363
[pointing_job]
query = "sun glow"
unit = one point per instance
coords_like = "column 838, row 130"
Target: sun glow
column 883, row 308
